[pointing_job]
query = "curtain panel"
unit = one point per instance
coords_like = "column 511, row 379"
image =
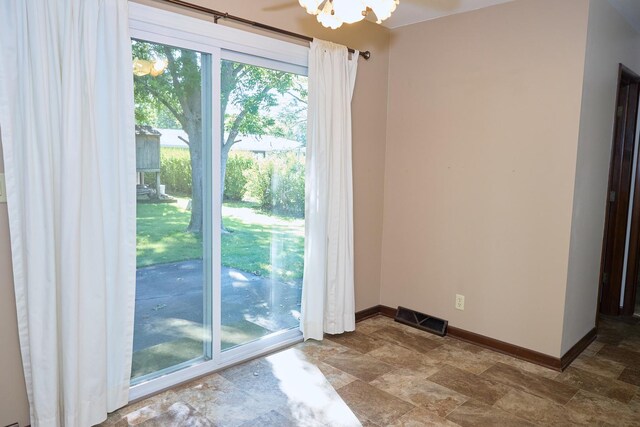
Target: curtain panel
column 66, row 120
column 328, row 285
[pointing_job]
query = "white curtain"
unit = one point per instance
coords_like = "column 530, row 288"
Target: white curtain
column 66, row 120
column 328, row 286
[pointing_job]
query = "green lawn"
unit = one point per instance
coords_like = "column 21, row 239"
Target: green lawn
column 161, row 236
column 253, row 242
column 170, row 353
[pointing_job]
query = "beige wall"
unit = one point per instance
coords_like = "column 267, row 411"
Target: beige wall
column 14, row 406
column 369, row 133
column 476, row 146
column 610, row 41
column 482, row 134
column 369, row 122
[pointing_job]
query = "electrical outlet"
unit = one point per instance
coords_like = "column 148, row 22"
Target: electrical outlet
column 460, row 302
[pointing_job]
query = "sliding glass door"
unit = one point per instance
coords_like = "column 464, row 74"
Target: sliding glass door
column 172, row 314
column 263, row 165
column 220, row 150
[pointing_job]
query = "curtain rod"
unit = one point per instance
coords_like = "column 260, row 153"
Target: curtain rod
column 217, row 15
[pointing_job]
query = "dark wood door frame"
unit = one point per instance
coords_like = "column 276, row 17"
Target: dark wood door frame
column 633, row 266
column 616, row 219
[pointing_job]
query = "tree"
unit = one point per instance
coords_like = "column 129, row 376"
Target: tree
column 247, row 94
column 292, row 119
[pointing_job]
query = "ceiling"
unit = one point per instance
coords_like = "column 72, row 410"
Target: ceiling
column 409, row 11
column 630, row 10
column 412, row 11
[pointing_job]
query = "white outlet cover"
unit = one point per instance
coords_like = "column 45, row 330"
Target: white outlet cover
column 460, row 302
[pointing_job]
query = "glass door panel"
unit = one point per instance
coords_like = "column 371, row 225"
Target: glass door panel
column 216, row 269
column 172, row 309
column 262, row 169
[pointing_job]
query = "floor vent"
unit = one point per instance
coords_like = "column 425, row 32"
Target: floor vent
column 421, row 321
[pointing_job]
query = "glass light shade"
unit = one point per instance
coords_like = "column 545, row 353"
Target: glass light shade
column 141, row 67
column 382, row 8
column 159, row 65
column 349, row 11
column 310, row 5
column 327, row 18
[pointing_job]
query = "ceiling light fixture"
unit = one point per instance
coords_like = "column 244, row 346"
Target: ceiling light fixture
column 333, row 13
column 142, row 67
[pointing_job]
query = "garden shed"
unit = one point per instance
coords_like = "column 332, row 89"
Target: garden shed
column 147, row 157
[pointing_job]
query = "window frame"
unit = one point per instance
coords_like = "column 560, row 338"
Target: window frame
column 161, row 26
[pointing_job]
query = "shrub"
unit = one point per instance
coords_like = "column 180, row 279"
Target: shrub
column 277, row 183
column 259, row 183
column 235, row 181
column 175, row 170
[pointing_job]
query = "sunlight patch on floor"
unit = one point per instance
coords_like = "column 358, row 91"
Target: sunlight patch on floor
column 310, row 395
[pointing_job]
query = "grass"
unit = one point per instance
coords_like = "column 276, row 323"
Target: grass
column 171, row 353
column 264, row 250
column 161, row 236
column 265, row 245
column 165, row 355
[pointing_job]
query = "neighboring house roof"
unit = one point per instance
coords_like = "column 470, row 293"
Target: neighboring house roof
column 171, row 138
column 266, row 143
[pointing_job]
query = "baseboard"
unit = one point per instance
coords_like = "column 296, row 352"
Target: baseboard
column 555, row 363
column 374, row 311
column 388, row 311
column 506, row 348
column 578, row 348
column 367, row 313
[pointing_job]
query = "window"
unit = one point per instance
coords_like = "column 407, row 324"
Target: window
column 220, row 139
column 263, row 165
column 171, row 318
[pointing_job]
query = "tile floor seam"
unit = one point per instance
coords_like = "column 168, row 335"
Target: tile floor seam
column 618, row 340
column 453, row 410
column 403, row 398
column 549, row 401
column 574, row 395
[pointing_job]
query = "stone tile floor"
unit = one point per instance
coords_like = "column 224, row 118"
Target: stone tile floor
column 387, row 374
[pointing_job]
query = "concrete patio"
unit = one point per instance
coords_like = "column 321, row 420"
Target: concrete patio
column 169, row 312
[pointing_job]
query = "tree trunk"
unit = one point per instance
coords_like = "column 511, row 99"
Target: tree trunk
column 195, row 151
column 224, row 156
